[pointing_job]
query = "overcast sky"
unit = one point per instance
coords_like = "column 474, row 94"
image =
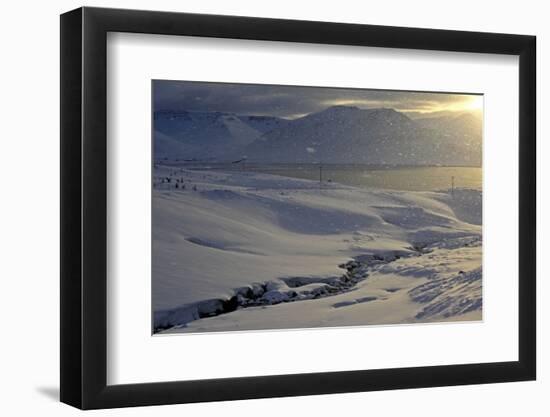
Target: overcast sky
column 293, row 102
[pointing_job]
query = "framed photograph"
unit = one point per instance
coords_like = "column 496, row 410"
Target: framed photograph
column 257, row 208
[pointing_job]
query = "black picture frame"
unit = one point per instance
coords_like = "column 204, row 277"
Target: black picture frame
column 84, row 207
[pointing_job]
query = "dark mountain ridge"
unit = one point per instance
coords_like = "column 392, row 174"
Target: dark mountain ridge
column 338, row 134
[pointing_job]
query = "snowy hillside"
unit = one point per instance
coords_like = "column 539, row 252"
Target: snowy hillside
column 242, row 250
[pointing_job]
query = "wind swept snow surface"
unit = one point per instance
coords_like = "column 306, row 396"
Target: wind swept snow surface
column 249, row 251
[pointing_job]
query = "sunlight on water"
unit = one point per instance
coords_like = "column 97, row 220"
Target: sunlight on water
column 391, row 178
column 394, row 178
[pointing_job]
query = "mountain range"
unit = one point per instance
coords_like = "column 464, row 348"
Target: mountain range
column 338, row 134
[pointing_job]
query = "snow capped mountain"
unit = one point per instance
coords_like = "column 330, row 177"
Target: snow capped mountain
column 338, row 134
column 207, row 135
column 466, row 124
column 344, row 134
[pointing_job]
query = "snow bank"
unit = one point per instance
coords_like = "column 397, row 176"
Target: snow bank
column 220, row 236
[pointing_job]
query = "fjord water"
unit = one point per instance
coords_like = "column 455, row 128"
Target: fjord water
column 424, row 178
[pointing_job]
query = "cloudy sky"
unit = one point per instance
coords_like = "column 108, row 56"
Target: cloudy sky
column 293, row 102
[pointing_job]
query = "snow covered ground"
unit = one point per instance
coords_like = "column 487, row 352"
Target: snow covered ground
column 248, row 251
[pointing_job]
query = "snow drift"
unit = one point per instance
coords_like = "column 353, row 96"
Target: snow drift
column 246, row 251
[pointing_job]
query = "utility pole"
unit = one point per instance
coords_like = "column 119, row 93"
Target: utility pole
column 452, row 186
column 320, row 175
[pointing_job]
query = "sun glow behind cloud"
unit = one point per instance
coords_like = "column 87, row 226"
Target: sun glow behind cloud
column 462, row 103
column 453, row 103
column 476, row 103
column 294, row 102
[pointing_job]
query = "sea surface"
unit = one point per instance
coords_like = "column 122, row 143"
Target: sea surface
column 425, row 178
